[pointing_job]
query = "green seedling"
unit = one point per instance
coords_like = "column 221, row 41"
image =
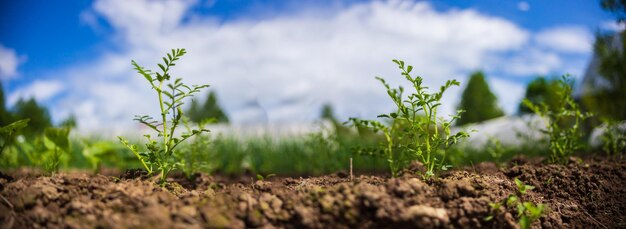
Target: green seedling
column 521, row 187
column 527, row 212
column 563, row 122
column 415, row 132
column 57, row 143
column 262, row 178
column 158, row 157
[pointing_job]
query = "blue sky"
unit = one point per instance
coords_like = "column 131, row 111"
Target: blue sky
column 278, row 61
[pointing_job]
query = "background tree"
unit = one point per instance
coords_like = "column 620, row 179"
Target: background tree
column 540, row 90
column 617, row 7
column 607, row 99
column 328, row 113
column 5, row 115
column 478, row 101
column 209, row 110
column 38, row 115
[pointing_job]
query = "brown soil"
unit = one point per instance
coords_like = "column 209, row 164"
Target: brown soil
column 589, row 193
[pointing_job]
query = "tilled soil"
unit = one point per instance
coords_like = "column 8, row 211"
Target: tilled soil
column 588, row 193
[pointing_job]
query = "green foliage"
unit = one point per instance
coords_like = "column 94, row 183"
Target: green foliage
column 613, row 138
column 158, row 156
column 5, row 116
column 210, row 110
column 8, row 133
column 97, row 152
column 478, row 101
column 617, row 7
column 416, row 132
column 69, row 122
column 540, row 90
column 563, row 121
column 527, row 212
column 38, row 116
column 48, row 150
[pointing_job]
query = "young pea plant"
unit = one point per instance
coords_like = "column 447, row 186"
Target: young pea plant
column 415, row 132
column 159, row 155
column 563, row 122
column 527, row 212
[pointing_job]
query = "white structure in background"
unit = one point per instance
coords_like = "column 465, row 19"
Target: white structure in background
column 278, row 131
column 241, row 131
column 509, row 130
column 596, row 136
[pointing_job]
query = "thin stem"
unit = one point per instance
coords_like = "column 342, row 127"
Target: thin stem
column 164, row 118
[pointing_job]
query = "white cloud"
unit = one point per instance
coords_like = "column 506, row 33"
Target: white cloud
column 570, row 39
column 509, row 93
column 41, row 90
column 283, row 68
column 9, row 61
column 523, row 6
column 613, row 26
column 530, row 62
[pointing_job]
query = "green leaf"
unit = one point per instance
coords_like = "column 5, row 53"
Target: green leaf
column 59, row 136
column 162, row 67
column 524, row 222
column 14, row 126
column 511, row 200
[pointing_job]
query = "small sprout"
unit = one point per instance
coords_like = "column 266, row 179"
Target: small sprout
column 521, row 187
column 262, row 178
column 527, row 212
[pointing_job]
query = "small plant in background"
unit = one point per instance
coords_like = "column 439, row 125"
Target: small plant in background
column 49, row 150
column 194, row 157
column 527, row 212
column 614, row 137
column 563, row 121
column 415, row 132
column 158, row 157
column 56, row 144
column 97, row 152
column 495, row 149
